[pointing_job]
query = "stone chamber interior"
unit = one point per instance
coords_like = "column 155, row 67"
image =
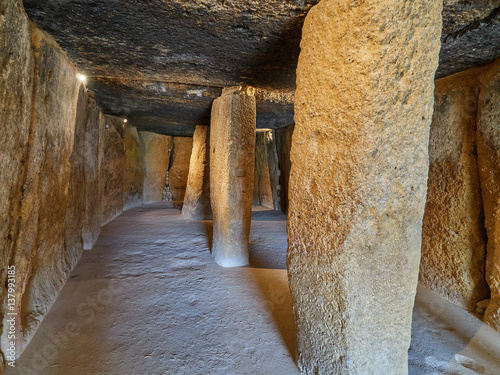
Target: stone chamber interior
column 250, row 187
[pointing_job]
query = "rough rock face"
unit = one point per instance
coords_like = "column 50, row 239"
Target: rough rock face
column 94, row 155
column 113, row 165
column 488, row 149
column 283, row 147
column 16, row 87
column 155, row 155
column 197, row 198
column 232, row 143
column 358, row 181
column 453, row 237
column 133, row 176
column 272, row 161
column 42, row 262
column 179, row 169
column 262, row 191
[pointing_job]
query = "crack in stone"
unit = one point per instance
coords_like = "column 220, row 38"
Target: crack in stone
column 473, row 25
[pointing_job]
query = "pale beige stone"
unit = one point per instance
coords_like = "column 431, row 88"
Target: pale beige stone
column 155, row 155
column 453, row 237
column 488, row 149
column 41, row 259
column 94, row 154
column 262, row 190
column 16, row 87
column 197, row 198
column 232, row 144
column 179, row 170
column 112, row 167
column 363, row 108
column 272, row 162
column 133, row 176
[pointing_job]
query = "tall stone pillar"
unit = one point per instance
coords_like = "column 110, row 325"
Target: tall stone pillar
column 197, row 198
column 363, row 108
column 232, row 144
column 488, row 152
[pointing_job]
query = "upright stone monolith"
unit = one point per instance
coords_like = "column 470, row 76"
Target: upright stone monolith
column 232, row 138
column 363, row 107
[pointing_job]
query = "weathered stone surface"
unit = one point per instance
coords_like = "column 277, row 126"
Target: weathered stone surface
column 283, row 147
column 94, row 185
column 164, row 78
column 41, row 259
column 232, row 143
column 488, row 149
column 453, row 236
column 197, row 198
column 179, row 169
column 77, row 187
column 262, row 192
column 133, row 176
column 272, row 162
column 112, row 167
column 16, row 87
column 358, row 181
column 155, row 155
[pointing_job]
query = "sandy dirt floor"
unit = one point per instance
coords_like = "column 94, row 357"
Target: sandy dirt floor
column 148, row 299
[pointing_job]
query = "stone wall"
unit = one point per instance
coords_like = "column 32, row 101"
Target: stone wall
column 460, row 251
column 62, row 173
column 283, row 138
column 179, row 169
column 155, row 155
column 262, row 190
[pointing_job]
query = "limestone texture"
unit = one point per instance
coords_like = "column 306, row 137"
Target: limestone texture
column 16, row 87
column 179, row 169
column 283, row 147
column 488, row 150
column 133, row 175
column 94, row 185
column 272, row 162
column 41, row 259
column 232, row 143
column 262, row 191
column 363, row 107
column 197, row 198
column 453, row 235
column 113, row 165
column 155, row 156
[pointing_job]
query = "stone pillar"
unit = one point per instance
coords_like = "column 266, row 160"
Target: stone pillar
column 197, row 198
column 358, row 182
column 179, row 169
column 262, row 190
column 272, row 161
column 488, row 150
column 283, row 146
column 232, row 137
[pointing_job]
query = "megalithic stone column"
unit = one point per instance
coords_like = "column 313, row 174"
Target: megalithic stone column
column 197, row 199
column 363, row 108
column 488, row 152
column 232, row 144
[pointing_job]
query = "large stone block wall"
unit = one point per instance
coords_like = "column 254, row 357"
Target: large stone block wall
column 262, row 189
column 283, row 139
column 460, row 236
column 453, row 236
column 56, row 164
column 155, row 159
column 363, row 108
column 179, row 169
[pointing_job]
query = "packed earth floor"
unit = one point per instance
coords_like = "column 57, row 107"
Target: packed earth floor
column 148, row 299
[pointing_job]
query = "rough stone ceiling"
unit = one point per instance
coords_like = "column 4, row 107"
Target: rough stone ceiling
column 160, row 63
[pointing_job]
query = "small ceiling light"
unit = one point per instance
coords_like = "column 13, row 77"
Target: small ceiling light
column 81, row 77
column 125, row 121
